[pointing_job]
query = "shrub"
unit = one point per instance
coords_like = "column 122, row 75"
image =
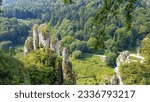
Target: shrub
column 111, row 59
column 77, row 54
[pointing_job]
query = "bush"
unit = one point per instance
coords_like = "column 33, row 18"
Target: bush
column 77, row 54
column 78, row 45
column 135, row 73
column 12, row 71
column 111, row 59
column 42, row 65
column 92, row 43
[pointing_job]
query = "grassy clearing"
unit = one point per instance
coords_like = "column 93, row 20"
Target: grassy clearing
column 91, row 70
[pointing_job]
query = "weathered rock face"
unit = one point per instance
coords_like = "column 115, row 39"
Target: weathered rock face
column 68, row 75
column 44, row 42
column 44, row 36
column 55, row 46
column 35, row 37
column 115, row 80
column 63, row 68
column 28, row 46
column 58, row 71
column 65, row 63
column 123, row 58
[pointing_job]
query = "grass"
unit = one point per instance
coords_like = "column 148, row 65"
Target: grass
column 91, row 70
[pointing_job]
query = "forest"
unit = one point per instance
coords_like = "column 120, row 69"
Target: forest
column 74, row 42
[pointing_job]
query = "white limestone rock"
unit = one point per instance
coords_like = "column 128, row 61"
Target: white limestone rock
column 68, row 75
column 28, row 46
column 123, row 58
column 44, row 35
column 55, row 46
column 115, row 80
column 35, row 37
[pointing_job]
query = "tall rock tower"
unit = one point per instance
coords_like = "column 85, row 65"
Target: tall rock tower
column 122, row 58
column 44, row 35
column 28, row 46
column 35, row 37
column 68, row 75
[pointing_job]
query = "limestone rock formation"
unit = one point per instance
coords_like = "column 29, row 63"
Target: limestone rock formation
column 58, row 71
column 115, row 80
column 68, row 75
column 42, row 38
column 35, row 37
column 44, row 35
column 124, row 57
column 28, row 46
column 55, row 45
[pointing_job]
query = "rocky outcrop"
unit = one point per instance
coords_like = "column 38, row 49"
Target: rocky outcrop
column 124, row 57
column 35, row 37
column 58, row 71
column 55, row 45
column 68, row 75
column 28, row 46
column 42, row 38
column 115, row 80
column 44, row 35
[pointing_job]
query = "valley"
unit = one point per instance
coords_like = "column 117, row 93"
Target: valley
column 85, row 42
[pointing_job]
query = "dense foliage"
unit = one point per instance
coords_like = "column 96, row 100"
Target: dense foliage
column 138, row 72
column 83, row 26
column 77, row 20
column 41, row 65
column 11, row 70
column 13, row 31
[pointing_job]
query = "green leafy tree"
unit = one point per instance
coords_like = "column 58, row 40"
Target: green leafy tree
column 67, row 40
column 79, row 45
column 111, row 59
column 43, row 66
column 77, row 54
column 138, row 72
column 92, row 43
column 12, row 71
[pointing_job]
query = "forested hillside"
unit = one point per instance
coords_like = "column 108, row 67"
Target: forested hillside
column 74, row 26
